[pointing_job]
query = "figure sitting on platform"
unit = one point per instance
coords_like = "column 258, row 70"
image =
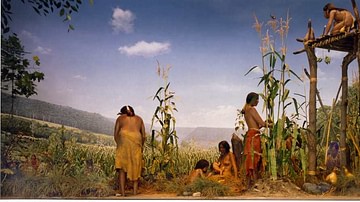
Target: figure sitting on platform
column 343, row 19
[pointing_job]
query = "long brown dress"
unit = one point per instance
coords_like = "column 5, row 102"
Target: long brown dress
column 129, row 154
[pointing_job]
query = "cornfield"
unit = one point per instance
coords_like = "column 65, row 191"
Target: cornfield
column 69, row 168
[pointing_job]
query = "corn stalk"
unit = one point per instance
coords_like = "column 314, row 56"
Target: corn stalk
column 276, row 156
column 353, row 120
column 165, row 153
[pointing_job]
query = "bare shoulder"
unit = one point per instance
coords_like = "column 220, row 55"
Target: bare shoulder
column 138, row 118
column 119, row 118
column 198, row 171
column 251, row 110
column 333, row 12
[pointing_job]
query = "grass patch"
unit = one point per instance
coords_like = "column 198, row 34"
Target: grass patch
column 208, row 188
column 55, row 185
column 348, row 185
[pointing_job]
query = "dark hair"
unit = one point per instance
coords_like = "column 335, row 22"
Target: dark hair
column 128, row 110
column 328, row 6
column 251, row 97
column 331, row 6
column 202, row 164
column 226, row 145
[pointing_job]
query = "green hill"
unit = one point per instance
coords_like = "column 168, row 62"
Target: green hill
column 94, row 122
column 53, row 113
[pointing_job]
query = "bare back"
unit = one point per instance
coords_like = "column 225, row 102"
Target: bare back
column 341, row 19
column 129, row 123
column 195, row 174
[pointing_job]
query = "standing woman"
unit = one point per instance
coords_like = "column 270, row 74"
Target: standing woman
column 129, row 135
column 252, row 150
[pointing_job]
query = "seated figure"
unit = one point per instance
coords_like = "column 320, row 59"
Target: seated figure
column 199, row 171
column 341, row 19
column 226, row 164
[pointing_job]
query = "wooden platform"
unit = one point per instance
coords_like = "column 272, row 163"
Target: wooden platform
column 344, row 42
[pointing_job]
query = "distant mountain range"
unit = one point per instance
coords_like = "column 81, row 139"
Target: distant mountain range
column 208, row 137
column 94, row 122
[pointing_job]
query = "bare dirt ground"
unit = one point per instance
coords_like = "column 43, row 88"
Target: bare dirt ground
column 263, row 190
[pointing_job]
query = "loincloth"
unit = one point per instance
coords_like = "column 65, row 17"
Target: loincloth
column 252, row 149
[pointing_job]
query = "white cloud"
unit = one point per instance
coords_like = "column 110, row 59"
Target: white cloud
column 79, row 77
column 146, row 49
column 29, row 35
column 255, row 71
column 36, row 40
column 122, row 20
column 42, row 50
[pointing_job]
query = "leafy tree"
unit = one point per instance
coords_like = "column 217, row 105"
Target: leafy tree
column 42, row 7
column 15, row 74
column 14, row 65
column 19, row 80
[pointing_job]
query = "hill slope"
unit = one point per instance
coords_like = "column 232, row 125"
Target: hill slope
column 94, row 122
column 68, row 116
column 209, row 137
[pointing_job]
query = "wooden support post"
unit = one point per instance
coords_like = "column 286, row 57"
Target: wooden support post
column 318, row 96
column 357, row 53
column 358, row 59
column 357, row 41
column 356, row 12
column 344, row 105
column 310, row 51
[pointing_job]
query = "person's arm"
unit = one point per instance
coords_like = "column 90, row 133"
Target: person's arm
column 257, row 118
column 200, row 173
column 143, row 133
column 330, row 21
column 216, row 167
column 116, row 131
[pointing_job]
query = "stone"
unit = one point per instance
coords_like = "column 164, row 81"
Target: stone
column 311, row 188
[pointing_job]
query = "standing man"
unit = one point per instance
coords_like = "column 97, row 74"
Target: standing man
column 129, row 135
column 252, row 149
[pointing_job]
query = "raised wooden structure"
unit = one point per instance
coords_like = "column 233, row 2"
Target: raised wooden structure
column 345, row 42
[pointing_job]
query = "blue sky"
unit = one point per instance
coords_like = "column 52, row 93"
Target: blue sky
column 110, row 59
